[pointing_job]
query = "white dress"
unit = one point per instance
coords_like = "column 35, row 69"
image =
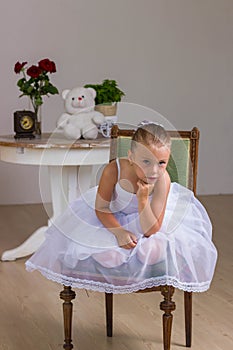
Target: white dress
column 80, row 252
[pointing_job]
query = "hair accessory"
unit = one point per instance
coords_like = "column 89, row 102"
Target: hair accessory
column 147, row 122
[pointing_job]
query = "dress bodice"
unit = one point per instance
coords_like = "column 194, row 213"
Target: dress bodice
column 123, row 201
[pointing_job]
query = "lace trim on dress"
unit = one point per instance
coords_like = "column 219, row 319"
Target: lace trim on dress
column 124, row 289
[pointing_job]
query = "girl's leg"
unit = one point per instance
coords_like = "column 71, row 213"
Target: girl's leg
column 110, row 258
column 151, row 251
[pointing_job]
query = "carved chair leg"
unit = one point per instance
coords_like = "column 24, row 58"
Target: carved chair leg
column 67, row 295
column 167, row 306
column 188, row 317
column 109, row 312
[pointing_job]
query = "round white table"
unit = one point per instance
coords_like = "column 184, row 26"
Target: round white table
column 70, row 166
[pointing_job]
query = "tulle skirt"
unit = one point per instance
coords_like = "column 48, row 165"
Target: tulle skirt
column 80, row 252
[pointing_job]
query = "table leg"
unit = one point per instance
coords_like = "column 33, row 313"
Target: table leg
column 66, row 183
column 27, row 247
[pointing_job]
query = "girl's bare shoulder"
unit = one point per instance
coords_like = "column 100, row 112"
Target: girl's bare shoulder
column 111, row 171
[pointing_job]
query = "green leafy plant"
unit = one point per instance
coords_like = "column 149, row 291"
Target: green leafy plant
column 37, row 84
column 107, row 92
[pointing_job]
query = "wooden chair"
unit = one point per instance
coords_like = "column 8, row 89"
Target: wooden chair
column 182, row 168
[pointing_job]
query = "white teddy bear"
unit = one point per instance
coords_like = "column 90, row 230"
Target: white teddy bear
column 81, row 120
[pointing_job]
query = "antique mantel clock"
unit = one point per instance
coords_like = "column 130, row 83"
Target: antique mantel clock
column 24, row 124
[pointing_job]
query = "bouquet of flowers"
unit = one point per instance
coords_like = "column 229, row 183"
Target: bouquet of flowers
column 37, row 84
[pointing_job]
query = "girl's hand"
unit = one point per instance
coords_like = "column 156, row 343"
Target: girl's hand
column 143, row 190
column 126, row 239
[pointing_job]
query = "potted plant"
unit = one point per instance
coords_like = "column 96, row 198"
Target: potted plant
column 107, row 96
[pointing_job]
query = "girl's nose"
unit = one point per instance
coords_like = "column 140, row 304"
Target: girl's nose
column 155, row 168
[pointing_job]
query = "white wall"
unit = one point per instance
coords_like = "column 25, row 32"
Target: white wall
column 174, row 56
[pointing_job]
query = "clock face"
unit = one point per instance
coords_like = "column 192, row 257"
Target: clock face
column 26, row 122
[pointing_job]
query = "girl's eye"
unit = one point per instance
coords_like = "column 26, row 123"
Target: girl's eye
column 146, row 162
column 162, row 163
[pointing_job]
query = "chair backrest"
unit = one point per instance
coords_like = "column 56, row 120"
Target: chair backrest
column 182, row 166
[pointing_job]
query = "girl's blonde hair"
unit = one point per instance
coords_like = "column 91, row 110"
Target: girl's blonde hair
column 151, row 133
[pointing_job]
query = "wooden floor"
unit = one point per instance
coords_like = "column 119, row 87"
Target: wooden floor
column 31, row 311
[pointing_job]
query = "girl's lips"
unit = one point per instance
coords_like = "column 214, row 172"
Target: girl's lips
column 152, row 178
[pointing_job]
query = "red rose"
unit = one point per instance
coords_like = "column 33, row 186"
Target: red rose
column 19, row 66
column 34, row 71
column 47, row 65
column 53, row 68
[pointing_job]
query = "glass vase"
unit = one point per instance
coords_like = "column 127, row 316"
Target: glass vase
column 38, row 118
column 38, row 123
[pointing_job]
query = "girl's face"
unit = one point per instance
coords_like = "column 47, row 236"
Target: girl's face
column 149, row 162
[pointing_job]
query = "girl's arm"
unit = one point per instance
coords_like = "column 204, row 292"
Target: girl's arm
column 102, row 207
column 152, row 213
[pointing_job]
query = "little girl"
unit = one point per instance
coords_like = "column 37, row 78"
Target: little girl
column 135, row 230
